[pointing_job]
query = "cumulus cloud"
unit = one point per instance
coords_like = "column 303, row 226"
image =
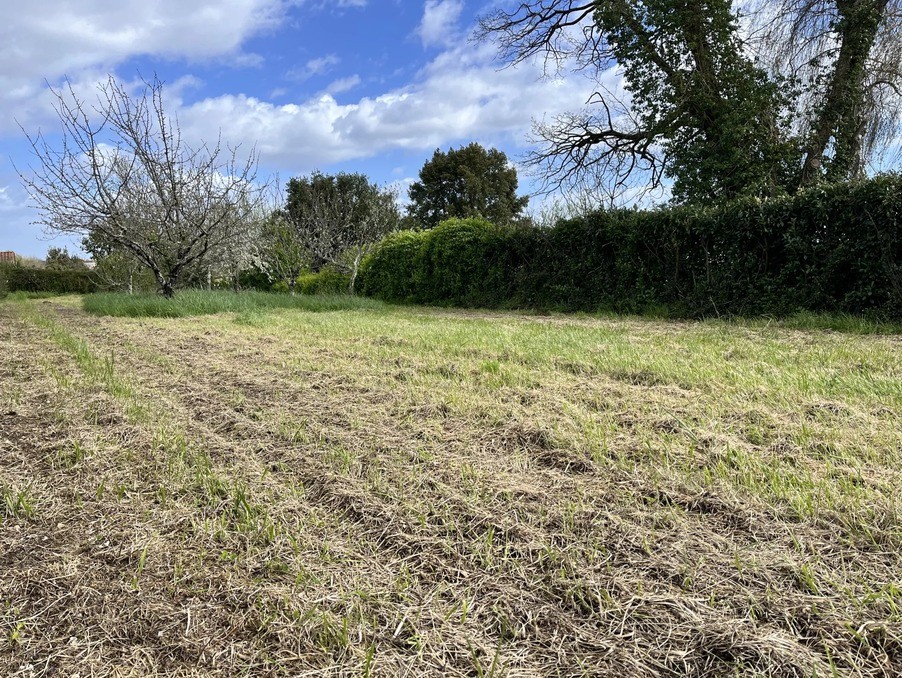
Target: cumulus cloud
column 51, row 38
column 459, row 96
column 438, row 26
column 54, row 37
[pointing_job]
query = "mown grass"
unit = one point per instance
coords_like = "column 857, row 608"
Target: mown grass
column 437, row 492
column 835, row 322
column 201, row 302
column 25, row 296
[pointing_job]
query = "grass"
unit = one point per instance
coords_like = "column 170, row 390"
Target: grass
column 24, row 296
column 200, row 302
column 837, row 322
column 399, row 490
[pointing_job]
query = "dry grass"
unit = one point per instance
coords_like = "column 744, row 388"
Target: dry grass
column 416, row 492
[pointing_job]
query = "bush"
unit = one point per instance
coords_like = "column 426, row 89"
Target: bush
column 326, row 281
column 833, row 249
column 469, row 262
column 4, row 288
column 390, row 270
column 56, row 281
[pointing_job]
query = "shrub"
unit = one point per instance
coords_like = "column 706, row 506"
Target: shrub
column 390, row 270
column 470, row 262
column 326, row 281
column 463, row 262
column 834, row 249
column 59, row 281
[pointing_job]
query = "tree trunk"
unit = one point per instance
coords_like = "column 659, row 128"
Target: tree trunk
column 292, row 283
column 840, row 117
column 354, row 270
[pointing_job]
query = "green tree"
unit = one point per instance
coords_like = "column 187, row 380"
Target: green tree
column 696, row 109
column 58, row 258
column 338, row 218
column 845, row 57
column 821, row 99
column 468, row 182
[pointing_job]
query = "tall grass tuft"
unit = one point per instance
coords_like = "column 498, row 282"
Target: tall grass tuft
column 200, row 302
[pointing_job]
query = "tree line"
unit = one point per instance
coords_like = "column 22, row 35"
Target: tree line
column 712, row 105
column 148, row 205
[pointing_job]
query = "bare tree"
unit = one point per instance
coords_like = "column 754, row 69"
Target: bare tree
column 240, row 247
column 338, row 219
column 603, row 144
column 123, row 172
column 116, row 267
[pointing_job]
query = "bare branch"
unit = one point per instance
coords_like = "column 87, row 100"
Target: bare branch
column 124, row 174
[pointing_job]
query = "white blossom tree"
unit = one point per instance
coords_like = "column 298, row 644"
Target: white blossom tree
column 123, row 173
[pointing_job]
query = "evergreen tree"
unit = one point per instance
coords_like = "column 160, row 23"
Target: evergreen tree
column 467, row 182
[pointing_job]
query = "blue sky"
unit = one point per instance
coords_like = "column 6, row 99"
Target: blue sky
column 357, row 85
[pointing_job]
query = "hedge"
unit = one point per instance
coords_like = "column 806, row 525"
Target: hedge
column 834, row 248
column 57, row 281
column 325, row 281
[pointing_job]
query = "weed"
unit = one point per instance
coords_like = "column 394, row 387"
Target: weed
column 16, row 503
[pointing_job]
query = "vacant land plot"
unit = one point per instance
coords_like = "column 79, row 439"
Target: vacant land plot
column 421, row 492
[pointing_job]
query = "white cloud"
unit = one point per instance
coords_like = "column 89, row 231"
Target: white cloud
column 459, row 96
column 47, row 39
column 53, row 37
column 318, row 66
column 439, row 23
column 7, row 201
column 343, row 85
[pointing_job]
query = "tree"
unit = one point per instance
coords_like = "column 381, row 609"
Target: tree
column 283, row 253
column 695, row 108
column 338, row 218
column 845, row 57
column 467, row 182
column 239, row 250
column 115, row 267
column 60, row 259
column 122, row 172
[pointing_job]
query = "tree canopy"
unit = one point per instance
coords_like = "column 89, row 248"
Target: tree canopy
column 467, row 182
column 337, row 218
column 59, row 259
column 693, row 104
column 123, row 174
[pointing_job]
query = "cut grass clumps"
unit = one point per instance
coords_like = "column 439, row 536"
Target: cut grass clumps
column 197, row 302
column 446, row 493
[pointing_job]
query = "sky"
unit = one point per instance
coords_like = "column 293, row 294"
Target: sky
column 373, row 86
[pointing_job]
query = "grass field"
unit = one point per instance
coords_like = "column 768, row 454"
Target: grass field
column 390, row 491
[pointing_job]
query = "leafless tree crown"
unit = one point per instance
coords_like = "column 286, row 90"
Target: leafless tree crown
column 123, row 172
